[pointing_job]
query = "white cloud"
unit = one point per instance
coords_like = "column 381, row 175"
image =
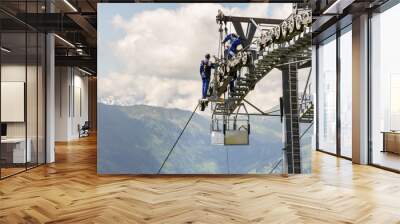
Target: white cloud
column 267, row 92
column 161, row 50
column 121, row 89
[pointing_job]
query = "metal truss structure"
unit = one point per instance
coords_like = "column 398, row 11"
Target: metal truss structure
column 281, row 44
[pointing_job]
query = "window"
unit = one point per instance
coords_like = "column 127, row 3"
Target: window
column 346, row 92
column 22, row 78
column 385, row 89
column 327, row 95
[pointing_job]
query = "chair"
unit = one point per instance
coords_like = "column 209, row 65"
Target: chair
column 84, row 130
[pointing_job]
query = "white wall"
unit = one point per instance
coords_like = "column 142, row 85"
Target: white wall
column 16, row 73
column 71, row 87
column 62, row 82
column 33, row 126
column 80, row 109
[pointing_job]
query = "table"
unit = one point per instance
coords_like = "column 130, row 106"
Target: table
column 391, row 141
column 17, row 149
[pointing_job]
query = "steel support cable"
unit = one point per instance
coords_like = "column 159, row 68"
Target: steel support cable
column 305, row 132
column 252, row 105
column 305, row 87
column 177, row 140
column 276, row 165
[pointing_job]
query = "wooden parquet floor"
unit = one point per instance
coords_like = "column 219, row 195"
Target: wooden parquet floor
column 70, row 191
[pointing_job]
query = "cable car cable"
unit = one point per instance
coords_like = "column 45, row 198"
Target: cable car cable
column 276, row 165
column 177, row 140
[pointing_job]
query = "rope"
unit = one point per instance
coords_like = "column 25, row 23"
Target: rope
column 177, row 140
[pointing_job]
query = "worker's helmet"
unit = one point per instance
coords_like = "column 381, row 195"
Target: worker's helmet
column 207, row 56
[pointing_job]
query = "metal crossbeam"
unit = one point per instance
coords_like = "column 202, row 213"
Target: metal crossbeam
column 248, row 20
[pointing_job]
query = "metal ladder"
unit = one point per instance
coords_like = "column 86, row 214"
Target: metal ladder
column 291, row 113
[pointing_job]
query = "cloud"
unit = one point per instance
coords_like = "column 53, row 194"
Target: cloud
column 267, row 92
column 121, row 89
column 161, row 49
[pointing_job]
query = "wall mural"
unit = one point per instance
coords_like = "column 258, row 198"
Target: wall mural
column 164, row 68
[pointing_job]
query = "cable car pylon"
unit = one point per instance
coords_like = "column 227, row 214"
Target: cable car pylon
column 279, row 43
column 282, row 44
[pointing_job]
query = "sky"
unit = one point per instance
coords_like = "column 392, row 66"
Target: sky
column 150, row 53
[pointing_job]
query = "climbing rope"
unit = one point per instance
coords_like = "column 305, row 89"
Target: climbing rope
column 177, row 140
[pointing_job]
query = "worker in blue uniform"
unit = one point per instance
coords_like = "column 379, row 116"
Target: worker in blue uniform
column 205, row 73
column 234, row 41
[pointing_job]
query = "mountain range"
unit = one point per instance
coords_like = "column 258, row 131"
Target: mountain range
column 136, row 140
